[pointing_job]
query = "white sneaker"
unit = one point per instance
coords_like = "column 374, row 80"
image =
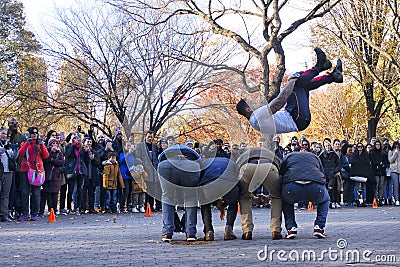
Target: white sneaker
column 337, row 206
column 397, row 203
column 142, row 210
column 292, row 233
column 135, row 210
column 318, row 232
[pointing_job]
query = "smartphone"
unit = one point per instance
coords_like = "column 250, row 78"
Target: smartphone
column 196, row 145
column 62, row 136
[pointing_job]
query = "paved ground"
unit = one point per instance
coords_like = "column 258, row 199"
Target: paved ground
column 134, row 240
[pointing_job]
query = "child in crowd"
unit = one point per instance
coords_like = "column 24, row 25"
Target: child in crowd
column 138, row 188
column 111, row 177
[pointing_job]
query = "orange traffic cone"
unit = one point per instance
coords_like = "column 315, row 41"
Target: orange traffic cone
column 374, row 204
column 238, row 208
column 52, row 216
column 148, row 213
column 310, row 206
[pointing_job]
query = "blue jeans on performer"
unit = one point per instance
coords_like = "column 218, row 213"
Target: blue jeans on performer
column 312, row 192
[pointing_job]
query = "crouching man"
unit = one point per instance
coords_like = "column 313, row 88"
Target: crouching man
column 303, row 179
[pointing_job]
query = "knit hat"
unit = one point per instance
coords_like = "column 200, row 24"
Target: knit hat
column 51, row 141
column 108, row 140
column 188, row 142
column 86, row 138
column 75, row 135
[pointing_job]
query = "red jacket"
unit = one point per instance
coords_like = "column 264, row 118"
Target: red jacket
column 41, row 153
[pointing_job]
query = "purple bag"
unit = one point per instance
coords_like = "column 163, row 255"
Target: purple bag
column 35, row 177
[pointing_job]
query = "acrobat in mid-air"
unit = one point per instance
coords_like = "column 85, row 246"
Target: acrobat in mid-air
column 296, row 116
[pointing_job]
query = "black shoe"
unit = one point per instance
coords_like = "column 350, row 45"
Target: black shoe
column 10, row 216
column 322, row 62
column 6, row 219
column 336, row 74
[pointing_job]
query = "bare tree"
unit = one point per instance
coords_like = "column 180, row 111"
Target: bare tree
column 233, row 23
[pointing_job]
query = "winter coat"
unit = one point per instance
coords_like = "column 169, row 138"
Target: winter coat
column 214, row 168
column 52, row 166
column 74, row 161
column 149, row 159
column 294, row 165
column 394, row 160
column 36, row 155
column 123, row 166
column 377, row 162
column 361, row 165
column 112, row 176
column 138, row 181
column 92, row 166
column 331, row 163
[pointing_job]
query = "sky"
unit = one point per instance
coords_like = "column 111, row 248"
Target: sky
column 298, row 53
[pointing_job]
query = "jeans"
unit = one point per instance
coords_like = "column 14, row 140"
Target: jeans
column 72, row 180
column 111, row 199
column 379, row 186
column 97, row 196
column 173, row 174
column 138, row 199
column 26, row 189
column 363, row 191
column 394, row 182
column 125, row 196
column 313, row 192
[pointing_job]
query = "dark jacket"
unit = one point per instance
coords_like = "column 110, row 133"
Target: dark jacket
column 361, row 165
column 74, row 164
column 92, row 166
column 214, row 168
column 149, row 160
column 377, row 162
column 52, row 166
column 302, row 166
column 331, row 163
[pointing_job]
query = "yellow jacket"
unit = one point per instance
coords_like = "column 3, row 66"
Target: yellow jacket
column 112, row 176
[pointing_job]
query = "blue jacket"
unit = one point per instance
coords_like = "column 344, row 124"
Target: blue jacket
column 123, row 167
column 176, row 151
column 214, row 168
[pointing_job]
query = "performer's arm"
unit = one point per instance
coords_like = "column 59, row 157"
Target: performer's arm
column 278, row 102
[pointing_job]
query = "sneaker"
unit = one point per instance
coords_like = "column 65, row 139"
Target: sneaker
column 141, row 209
column 166, row 238
column 34, row 218
column 318, row 232
column 190, row 238
column 64, row 211
column 23, row 218
column 292, row 233
column 135, row 210
column 322, row 62
column 337, row 206
column 397, row 203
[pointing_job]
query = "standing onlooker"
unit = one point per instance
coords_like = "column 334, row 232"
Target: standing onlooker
column 111, row 179
column 394, row 160
column 6, row 154
column 52, row 184
column 75, row 170
column 386, row 181
column 16, row 138
column 361, row 166
column 379, row 168
column 331, row 163
column 32, row 152
column 125, row 199
column 147, row 152
column 348, row 185
column 138, row 188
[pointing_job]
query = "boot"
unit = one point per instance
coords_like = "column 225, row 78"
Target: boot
column 336, row 74
column 229, row 235
column 322, row 62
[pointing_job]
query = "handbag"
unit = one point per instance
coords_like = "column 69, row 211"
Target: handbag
column 35, row 177
column 358, row 179
column 12, row 163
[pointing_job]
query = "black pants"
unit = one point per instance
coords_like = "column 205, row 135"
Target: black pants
column 87, row 194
